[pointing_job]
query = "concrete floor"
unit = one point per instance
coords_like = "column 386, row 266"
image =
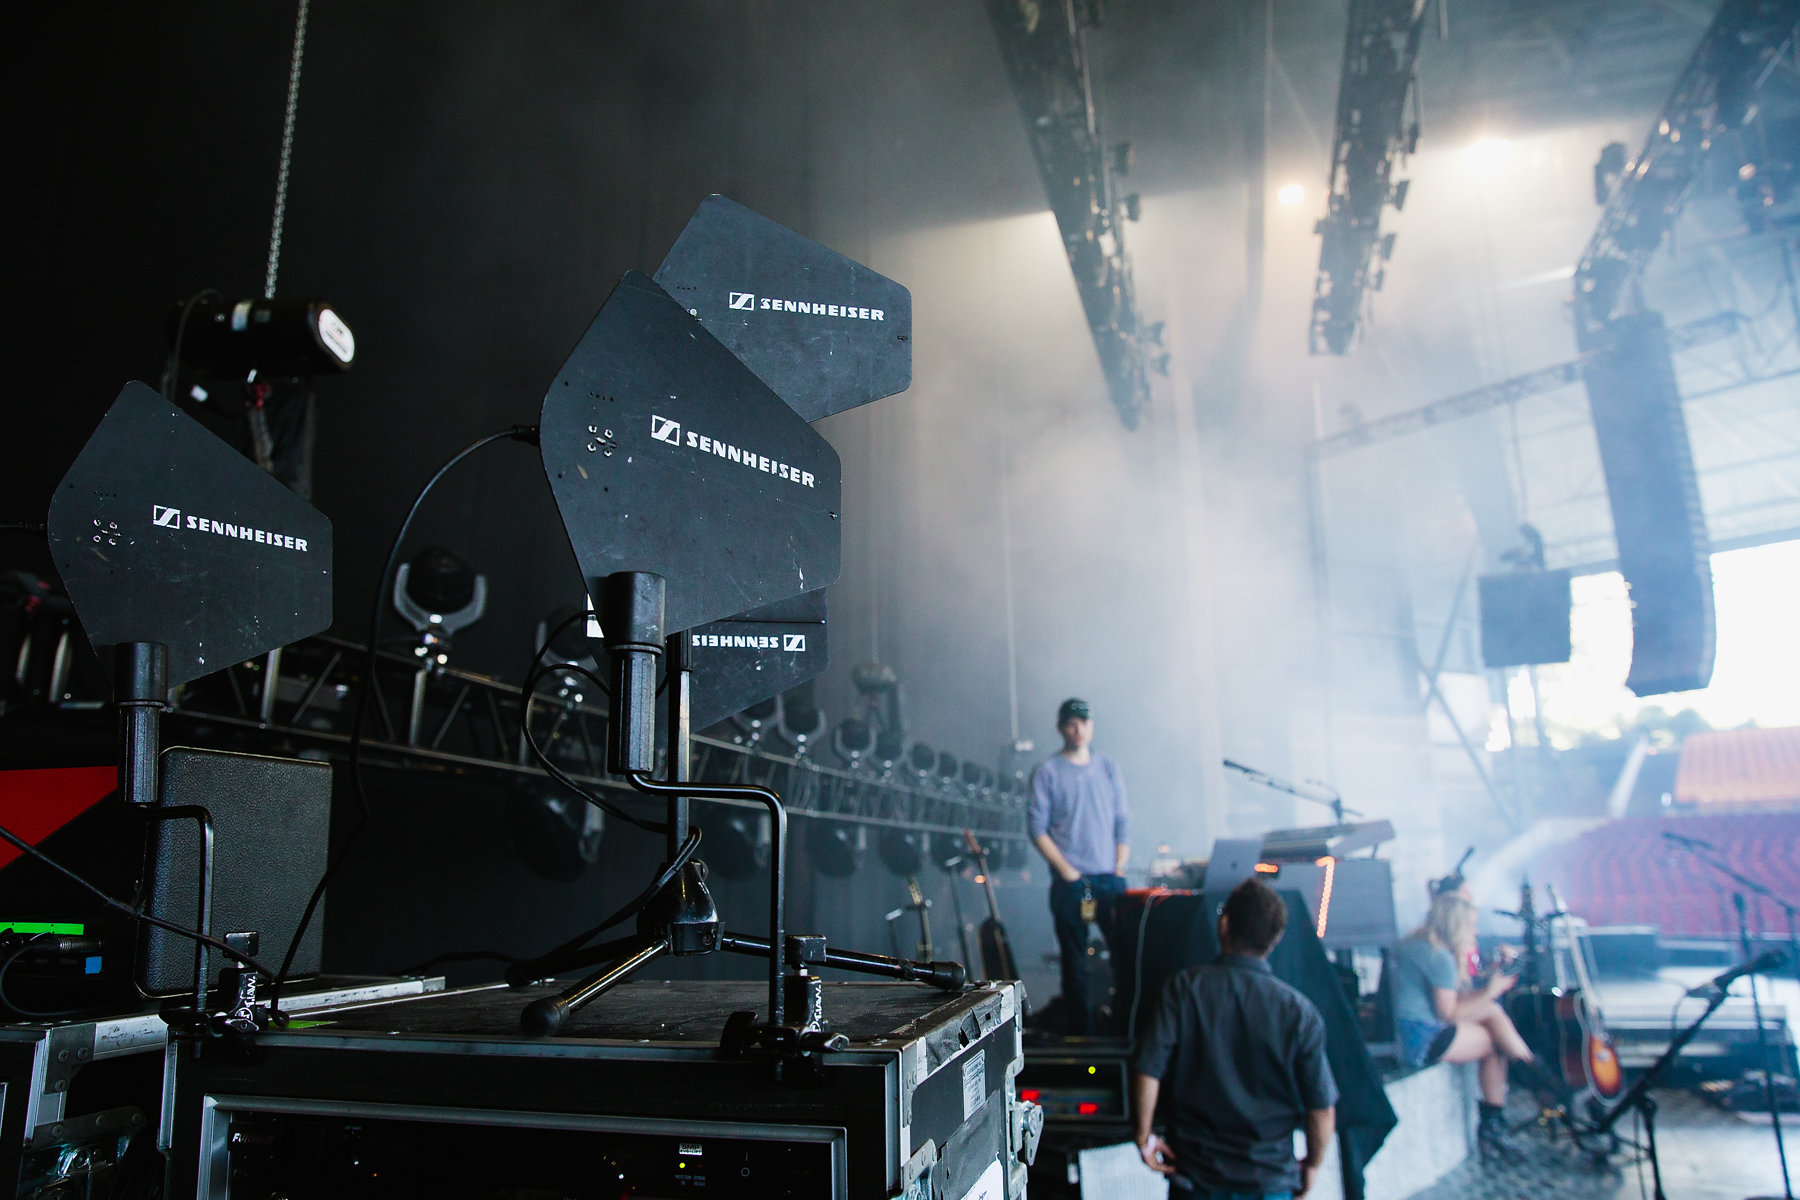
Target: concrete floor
column 1706, row 1153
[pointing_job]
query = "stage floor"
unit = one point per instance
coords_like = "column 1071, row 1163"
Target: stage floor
column 1707, row 1154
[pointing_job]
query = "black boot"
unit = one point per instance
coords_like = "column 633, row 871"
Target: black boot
column 1492, row 1138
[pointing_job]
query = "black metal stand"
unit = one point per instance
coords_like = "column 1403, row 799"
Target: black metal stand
column 681, row 918
column 1637, row 1097
column 1707, row 854
column 1334, row 802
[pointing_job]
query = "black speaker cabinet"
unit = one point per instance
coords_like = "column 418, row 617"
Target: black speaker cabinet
column 1664, row 552
column 271, row 822
column 1525, row 618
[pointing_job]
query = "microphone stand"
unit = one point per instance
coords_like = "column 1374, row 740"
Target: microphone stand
column 1334, row 802
column 1707, row 854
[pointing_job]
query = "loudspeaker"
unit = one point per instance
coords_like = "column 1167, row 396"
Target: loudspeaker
column 1525, row 618
column 1658, row 524
column 271, row 823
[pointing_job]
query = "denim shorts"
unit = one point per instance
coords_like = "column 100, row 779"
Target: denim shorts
column 1420, row 1041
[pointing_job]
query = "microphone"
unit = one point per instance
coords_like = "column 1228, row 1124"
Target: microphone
column 1684, row 840
column 1762, row 964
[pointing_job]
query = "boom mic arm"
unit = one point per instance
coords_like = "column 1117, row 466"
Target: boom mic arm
column 1762, row 964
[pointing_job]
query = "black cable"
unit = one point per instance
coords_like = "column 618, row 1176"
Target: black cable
column 524, row 972
column 520, row 433
column 224, row 948
column 172, row 368
column 10, row 1005
column 527, row 697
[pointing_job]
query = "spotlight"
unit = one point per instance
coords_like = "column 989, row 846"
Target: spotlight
column 903, row 851
column 1290, row 195
column 1398, row 197
column 801, row 722
column 948, row 768
column 1160, row 364
column 922, row 759
column 438, row 594
column 1134, row 207
column 1121, row 158
column 1153, row 332
column 571, row 644
column 757, row 721
column 556, row 835
column 971, row 776
column 1387, row 245
column 736, row 845
column 834, row 847
column 1488, row 154
column 280, row 339
column 852, row 741
column 890, row 745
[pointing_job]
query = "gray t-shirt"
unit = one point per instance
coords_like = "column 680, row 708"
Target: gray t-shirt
column 1419, row 967
column 1083, row 809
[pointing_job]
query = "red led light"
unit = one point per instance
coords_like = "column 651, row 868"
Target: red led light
column 1087, row 1108
column 1030, row 1094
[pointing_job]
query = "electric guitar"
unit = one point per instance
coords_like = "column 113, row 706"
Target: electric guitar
column 1588, row 1051
column 996, row 951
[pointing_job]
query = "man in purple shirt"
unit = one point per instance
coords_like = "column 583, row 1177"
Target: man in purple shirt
column 1081, row 824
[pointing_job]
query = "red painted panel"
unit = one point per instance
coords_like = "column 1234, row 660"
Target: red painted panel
column 36, row 803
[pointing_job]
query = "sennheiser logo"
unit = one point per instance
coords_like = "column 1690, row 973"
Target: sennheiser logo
column 813, row 308
column 788, row 643
column 664, row 430
column 172, row 518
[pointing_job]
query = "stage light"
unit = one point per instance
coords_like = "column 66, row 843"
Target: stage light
column 834, row 847
column 852, row 741
column 1134, row 207
column 736, row 845
column 1290, row 195
column 278, row 339
column 1387, row 246
column 1121, row 158
column 948, row 769
column 1160, row 364
column 1398, row 197
column 801, row 722
column 971, row 777
column 438, row 594
column 757, row 721
column 890, row 746
column 903, row 851
column 1488, row 154
column 1153, row 332
column 556, row 835
column 922, row 759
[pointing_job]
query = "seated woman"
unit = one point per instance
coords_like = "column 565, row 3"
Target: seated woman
column 1439, row 1017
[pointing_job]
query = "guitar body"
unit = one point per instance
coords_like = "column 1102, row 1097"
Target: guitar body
column 996, row 952
column 1589, row 1058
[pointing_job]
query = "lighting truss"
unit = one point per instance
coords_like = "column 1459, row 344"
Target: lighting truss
column 1715, row 94
column 1044, row 46
column 1381, row 54
column 301, row 698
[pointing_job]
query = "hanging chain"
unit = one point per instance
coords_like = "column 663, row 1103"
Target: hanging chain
column 287, row 152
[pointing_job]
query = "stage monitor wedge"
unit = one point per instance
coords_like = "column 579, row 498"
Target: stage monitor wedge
column 163, row 533
column 823, row 331
column 746, row 659
column 667, row 456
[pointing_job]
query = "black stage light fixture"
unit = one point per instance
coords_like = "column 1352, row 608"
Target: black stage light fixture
column 903, row 851
column 949, row 769
column 890, row 748
column 571, row 642
column 438, row 594
column 971, row 776
column 853, row 740
column 802, row 722
column 835, row 847
column 555, row 834
column 922, row 759
column 756, row 722
column 280, row 339
column 737, row 845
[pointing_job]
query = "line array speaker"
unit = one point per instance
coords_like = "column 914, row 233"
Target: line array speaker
column 1664, row 552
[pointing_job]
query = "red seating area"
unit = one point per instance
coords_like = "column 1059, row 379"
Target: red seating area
column 1626, row 873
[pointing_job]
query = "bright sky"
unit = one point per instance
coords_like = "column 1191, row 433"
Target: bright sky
column 1756, row 676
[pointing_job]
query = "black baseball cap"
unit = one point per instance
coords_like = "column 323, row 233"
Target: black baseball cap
column 1073, row 708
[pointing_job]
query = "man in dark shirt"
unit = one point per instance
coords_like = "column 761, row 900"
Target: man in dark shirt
column 1237, row 1058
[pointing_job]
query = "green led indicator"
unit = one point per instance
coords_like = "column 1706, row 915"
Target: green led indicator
column 59, row 928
